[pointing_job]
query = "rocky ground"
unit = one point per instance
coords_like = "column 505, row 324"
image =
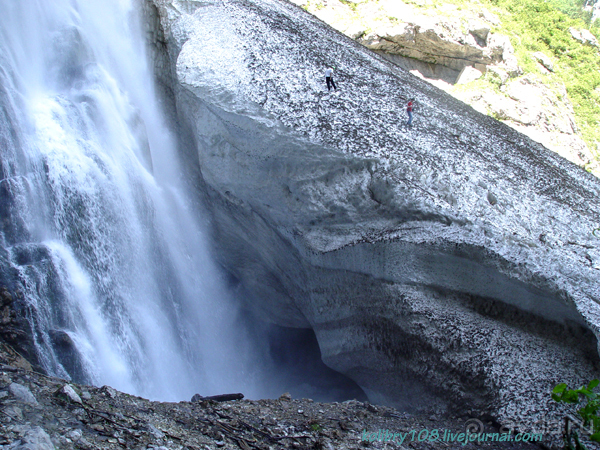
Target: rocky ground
column 42, row 413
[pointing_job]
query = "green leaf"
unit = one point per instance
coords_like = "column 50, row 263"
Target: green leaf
column 595, row 437
column 595, row 382
column 559, row 388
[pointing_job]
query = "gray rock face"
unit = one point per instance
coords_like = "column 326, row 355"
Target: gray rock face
column 451, row 263
column 443, row 42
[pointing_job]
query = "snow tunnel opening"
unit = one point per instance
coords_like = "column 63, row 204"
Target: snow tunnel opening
column 301, row 371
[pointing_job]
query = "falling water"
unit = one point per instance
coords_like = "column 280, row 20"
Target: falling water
column 96, row 225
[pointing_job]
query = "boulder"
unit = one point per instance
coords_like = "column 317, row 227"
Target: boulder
column 544, row 61
column 584, row 36
column 34, row 438
column 480, row 31
column 22, row 393
column 67, row 392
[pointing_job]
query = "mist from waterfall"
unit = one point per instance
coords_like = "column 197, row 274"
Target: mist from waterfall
column 98, row 228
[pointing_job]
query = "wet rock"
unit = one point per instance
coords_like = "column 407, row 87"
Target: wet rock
column 35, row 438
column 5, row 297
column 67, row 392
column 109, row 391
column 61, row 339
column 22, row 393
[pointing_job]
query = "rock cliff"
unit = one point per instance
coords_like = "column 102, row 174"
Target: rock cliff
column 452, row 263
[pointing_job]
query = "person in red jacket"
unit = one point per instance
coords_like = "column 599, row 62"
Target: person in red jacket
column 409, row 110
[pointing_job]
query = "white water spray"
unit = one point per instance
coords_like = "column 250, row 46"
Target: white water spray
column 103, row 237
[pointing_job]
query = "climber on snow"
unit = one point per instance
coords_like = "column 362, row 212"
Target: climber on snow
column 329, row 79
column 409, row 111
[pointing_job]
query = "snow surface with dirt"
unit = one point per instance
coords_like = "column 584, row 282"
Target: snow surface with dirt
column 448, row 263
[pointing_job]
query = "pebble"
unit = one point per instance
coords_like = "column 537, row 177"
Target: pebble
column 74, row 434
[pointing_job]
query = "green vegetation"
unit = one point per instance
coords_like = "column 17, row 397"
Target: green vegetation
column 588, row 412
column 313, row 5
column 543, row 25
column 572, row 8
column 350, row 4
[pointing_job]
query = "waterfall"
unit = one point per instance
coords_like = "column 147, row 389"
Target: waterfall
column 97, row 226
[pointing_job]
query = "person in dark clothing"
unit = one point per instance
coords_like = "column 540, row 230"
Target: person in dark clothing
column 329, row 79
column 409, row 110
